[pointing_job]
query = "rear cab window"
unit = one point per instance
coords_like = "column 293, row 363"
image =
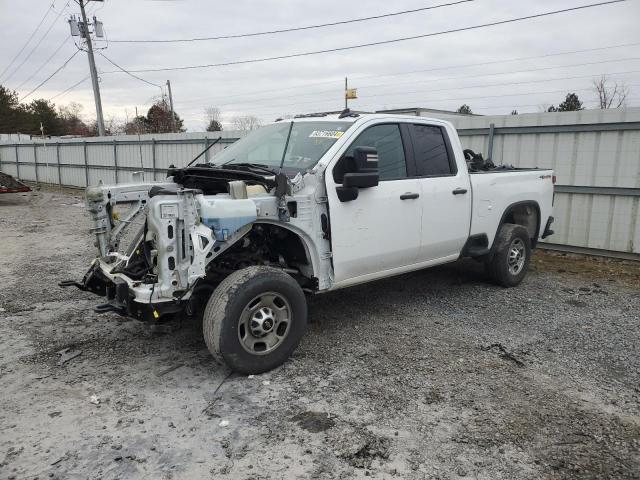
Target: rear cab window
column 432, row 151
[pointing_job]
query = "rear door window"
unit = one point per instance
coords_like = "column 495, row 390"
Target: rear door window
column 431, row 151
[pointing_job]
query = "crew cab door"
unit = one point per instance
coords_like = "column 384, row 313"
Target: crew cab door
column 445, row 191
column 380, row 229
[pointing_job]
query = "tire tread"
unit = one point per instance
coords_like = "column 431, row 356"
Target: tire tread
column 495, row 268
column 216, row 309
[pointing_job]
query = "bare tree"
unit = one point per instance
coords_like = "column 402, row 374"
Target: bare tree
column 114, row 126
column 610, row 96
column 246, row 123
column 213, row 118
column 71, row 118
column 111, row 127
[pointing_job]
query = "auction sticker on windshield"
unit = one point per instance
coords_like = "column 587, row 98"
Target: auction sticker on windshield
column 326, row 134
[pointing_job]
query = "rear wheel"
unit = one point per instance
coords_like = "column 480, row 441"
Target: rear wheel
column 510, row 259
column 255, row 319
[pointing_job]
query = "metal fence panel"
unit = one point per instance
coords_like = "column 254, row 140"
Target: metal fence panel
column 11, row 169
column 177, row 155
column 628, row 168
column 73, row 153
column 595, row 154
column 78, row 162
column 104, row 175
column 11, row 165
column 72, row 177
column 47, row 170
column 135, row 156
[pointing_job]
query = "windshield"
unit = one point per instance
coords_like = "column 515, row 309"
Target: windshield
column 308, row 142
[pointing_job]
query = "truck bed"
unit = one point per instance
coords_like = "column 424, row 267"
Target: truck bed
column 493, row 191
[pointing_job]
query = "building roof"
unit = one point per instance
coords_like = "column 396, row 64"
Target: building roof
column 419, row 111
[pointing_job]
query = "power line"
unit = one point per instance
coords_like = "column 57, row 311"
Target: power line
column 39, row 69
column 459, row 88
column 432, row 80
column 516, row 94
column 381, row 42
column 274, row 111
column 127, row 72
column 37, row 44
column 432, row 69
column 28, row 40
column 70, row 88
column 442, row 79
column 297, row 29
column 519, row 94
column 271, row 110
column 573, row 77
column 51, row 76
column 539, row 69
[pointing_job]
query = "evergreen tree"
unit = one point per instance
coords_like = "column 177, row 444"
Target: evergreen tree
column 571, row 104
column 214, row 126
column 159, row 118
column 45, row 119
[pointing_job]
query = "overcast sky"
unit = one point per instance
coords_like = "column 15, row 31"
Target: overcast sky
column 473, row 67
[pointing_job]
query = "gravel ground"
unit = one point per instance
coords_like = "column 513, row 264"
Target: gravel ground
column 434, row 374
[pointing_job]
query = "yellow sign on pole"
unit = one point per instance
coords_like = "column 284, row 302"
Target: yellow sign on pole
column 351, row 93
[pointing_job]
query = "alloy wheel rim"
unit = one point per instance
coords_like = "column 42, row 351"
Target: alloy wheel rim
column 516, row 257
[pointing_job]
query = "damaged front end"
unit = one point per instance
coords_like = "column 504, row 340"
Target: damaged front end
column 155, row 240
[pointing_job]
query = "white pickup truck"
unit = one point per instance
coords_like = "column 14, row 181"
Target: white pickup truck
column 305, row 206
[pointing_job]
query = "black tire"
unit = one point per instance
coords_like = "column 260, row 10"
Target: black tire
column 504, row 267
column 231, row 314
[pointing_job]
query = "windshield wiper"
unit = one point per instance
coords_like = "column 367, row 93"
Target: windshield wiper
column 286, row 145
column 205, row 150
column 247, row 166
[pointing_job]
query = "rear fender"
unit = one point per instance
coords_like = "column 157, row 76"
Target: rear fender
column 509, row 210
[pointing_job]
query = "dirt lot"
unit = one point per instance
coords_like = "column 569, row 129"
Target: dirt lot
column 435, row 374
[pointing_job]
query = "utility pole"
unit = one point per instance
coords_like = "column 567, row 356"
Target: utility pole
column 173, row 120
column 86, row 34
column 346, row 97
column 349, row 93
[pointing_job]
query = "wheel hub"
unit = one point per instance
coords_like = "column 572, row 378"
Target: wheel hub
column 517, row 257
column 262, row 322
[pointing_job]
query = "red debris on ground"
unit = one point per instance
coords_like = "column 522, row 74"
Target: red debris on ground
column 8, row 184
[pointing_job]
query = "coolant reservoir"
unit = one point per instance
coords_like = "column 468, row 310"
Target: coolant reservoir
column 225, row 215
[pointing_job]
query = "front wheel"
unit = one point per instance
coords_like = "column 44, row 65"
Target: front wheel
column 255, row 319
column 510, row 259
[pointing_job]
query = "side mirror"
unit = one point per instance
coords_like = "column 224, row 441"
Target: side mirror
column 361, row 172
column 346, row 194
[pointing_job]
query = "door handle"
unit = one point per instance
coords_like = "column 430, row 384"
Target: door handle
column 459, row 191
column 409, row 196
